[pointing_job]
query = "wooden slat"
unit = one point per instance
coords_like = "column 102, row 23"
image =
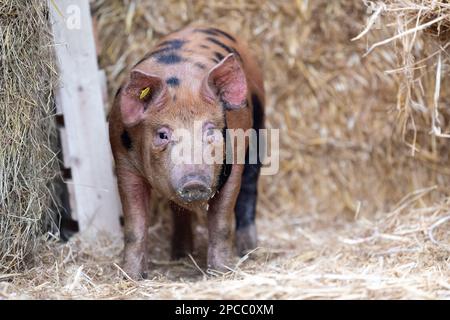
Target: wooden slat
column 66, row 163
column 64, row 147
column 104, row 87
column 79, row 97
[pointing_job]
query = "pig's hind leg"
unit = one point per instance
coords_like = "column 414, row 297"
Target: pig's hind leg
column 245, row 211
column 182, row 240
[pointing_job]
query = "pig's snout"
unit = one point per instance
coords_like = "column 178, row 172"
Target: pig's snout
column 194, row 188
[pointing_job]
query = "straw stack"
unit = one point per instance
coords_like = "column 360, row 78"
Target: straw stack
column 27, row 132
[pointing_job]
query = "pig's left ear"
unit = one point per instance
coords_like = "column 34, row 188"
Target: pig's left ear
column 142, row 92
column 226, row 81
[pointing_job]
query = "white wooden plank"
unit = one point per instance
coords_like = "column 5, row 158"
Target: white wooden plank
column 80, row 98
column 64, row 147
column 104, row 87
column 66, row 163
column 72, row 201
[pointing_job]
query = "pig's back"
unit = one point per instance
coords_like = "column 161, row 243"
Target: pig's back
column 184, row 57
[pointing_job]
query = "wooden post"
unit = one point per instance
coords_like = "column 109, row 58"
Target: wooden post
column 79, row 97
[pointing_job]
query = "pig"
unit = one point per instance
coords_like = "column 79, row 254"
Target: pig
column 196, row 74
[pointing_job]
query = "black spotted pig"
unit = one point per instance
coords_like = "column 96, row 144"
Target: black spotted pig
column 195, row 74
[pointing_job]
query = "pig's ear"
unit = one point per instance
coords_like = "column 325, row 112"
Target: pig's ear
column 226, row 81
column 143, row 91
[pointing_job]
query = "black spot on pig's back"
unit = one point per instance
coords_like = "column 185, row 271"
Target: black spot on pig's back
column 219, row 56
column 169, row 58
column 216, row 32
column 173, row 44
column 173, row 81
column 167, row 52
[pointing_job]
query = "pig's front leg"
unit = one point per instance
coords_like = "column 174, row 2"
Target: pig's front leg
column 134, row 193
column 220, row 221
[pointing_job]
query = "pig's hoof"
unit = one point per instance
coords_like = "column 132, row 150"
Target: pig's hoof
column 246, row 239
column 218, row 263
column 135, row 273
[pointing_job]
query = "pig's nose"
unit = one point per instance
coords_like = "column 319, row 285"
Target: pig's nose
column 194, row 190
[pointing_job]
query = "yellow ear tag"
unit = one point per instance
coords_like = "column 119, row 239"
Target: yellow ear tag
column 144, row 93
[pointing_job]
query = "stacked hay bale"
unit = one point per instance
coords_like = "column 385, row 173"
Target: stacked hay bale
column 350, row 139
column 27, row 132
column 420, row 37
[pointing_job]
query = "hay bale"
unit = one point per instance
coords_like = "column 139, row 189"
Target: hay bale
column 27, row 160
column 419, row 37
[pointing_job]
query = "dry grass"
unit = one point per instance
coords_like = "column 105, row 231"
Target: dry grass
column 27, row 133
column 311, row 256
column 420, row 32
column 360, row 207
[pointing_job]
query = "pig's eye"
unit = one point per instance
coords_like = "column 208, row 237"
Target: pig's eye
column 162, row 137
